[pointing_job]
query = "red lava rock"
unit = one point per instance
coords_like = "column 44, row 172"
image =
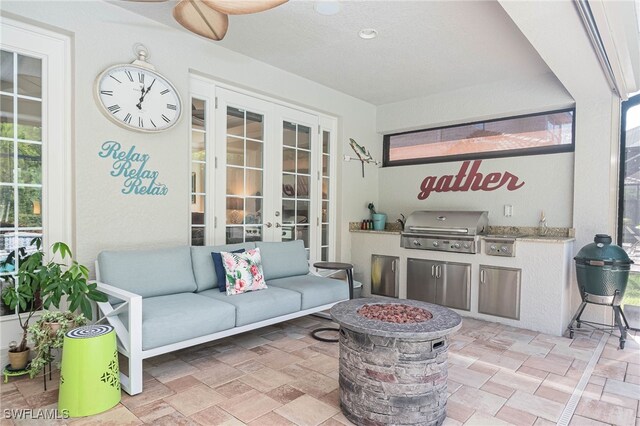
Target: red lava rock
column 395, row 313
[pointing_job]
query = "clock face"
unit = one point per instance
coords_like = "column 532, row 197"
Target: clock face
column 138, row 98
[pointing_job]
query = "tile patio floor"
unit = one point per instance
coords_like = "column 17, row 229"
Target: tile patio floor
column 279, row 375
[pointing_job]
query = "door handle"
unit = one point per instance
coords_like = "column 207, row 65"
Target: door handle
column 482, row 276
column 268, row 224
column 278, row 225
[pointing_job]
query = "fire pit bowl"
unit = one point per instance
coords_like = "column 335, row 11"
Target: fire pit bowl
column 394, row 372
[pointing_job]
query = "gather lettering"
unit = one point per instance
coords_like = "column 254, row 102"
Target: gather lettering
column 469, row 179
column 132, row 166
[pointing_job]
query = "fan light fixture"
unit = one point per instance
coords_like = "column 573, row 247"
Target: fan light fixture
column 209, row 18
column 368, row 33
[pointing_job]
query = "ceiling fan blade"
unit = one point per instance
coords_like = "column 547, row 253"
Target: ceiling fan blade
column 202, row 20
column 243, row 7
column 148, row 1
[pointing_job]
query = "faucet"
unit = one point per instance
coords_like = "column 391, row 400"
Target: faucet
column 401, row 221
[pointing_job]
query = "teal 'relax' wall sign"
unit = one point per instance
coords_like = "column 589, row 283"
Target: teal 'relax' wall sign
column 131, row 165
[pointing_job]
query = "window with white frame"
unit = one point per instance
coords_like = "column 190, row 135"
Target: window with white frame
column 35, row 181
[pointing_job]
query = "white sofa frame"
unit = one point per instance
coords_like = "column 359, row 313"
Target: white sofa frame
column 129, row 338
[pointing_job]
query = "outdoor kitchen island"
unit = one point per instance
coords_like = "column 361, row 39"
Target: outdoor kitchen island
column 543, row 264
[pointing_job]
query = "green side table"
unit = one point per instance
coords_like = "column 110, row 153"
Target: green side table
column 89, row 374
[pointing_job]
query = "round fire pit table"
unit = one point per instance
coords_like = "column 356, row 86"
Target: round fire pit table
column 394, row 372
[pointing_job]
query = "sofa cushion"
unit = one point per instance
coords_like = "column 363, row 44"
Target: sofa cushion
column 202, row 263
column 260, row 305
column 243, row 272
column 183, row 316
column 315, row 291
column 219, row 268
column 284, row 259
column 148, row 273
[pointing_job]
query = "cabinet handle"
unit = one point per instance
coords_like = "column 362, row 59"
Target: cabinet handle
column 393, row 266
column 433, row 271
column 482, row 276
column 438, row 271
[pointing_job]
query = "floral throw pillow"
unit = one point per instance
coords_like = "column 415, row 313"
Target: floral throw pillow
column 243, row 271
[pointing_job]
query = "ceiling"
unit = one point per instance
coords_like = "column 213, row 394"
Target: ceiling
column 422, row 48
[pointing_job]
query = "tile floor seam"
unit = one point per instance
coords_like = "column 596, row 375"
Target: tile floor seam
column 572, row 404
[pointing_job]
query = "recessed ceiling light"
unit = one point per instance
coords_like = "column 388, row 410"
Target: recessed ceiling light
column 368, row 33
column 327, row 7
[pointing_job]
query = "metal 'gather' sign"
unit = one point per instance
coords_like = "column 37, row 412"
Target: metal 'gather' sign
column 132, row 166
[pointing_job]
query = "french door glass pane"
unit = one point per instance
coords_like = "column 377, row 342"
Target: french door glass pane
column 245, row 180
column 324, row 214
column 21, row 204
column 198, row 171
column 296, row 162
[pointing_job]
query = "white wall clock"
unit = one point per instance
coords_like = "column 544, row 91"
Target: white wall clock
column 137, row 97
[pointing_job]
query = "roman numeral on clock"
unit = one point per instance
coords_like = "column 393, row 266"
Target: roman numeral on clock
column 114, row 108
column 115, row 79
column 127, row 118
column 165, row 118
column 141, row 78
column 128, row 73
column 106, row 92
column 164, row 92
column 171, row 106
column 140, row 122
column 152, row 123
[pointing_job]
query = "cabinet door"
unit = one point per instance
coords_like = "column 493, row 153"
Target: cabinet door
column 384, row 275
column 421, row 280
column 454, row 285
column 499, row 293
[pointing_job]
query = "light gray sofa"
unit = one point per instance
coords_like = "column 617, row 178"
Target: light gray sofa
column 168, row 299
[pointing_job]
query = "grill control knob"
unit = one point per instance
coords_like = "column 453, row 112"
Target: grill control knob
column 456, row 245
column 435, row 244
column 493, row 247
column 504, row 249
column 467, row 245
column 417, row 243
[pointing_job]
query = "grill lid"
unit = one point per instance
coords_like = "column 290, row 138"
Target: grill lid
column 601, row 252
column 447, row 222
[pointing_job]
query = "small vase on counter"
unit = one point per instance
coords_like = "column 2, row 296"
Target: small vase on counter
column 542, row 225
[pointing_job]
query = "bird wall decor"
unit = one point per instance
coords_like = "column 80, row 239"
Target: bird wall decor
column 363, row 154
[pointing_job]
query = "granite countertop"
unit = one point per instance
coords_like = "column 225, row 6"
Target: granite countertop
column 372, row 231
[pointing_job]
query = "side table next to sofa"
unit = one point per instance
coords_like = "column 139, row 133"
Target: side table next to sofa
column 334, row 266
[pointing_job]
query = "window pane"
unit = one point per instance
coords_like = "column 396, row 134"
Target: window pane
column 253, row 233
column 303, row 137
column 325, row 254
column 235, row 122
column 288, row 211
column 325, row 142
column 6, row 116
column 302, row 212
column 235, row 207
column 198, row 149
column 303, row 162
column 197, row 236
column 302, row 190
column 29, row 163
column 6, row 73
column 325, row 235
column 254, row 154
column 198, row 177
column 510, row 134
column 29, row 120
column 288, row 160
column 631, row 208
column 235, row 151
column 288, row 233
column 253, row 210
column 29, row 207
column 235, row 234
column 325, row 165
column 325, row 189
column 197, row 209
column 7, row 219
column 198, row 110
column 288, row 134
column 254, row 182
column 302, row 233
column 255, row 126
column 325, row 211
column 6, row 161
column 235, row 181
column 288, row 185
column 29, row 76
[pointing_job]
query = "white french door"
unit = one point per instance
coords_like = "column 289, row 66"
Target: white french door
column 268, row 178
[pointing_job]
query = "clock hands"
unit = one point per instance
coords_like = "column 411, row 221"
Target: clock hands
column 145, row 93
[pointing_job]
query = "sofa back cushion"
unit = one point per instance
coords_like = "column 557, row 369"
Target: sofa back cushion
column 148, row 273
column 202, row 262
column 284, row 259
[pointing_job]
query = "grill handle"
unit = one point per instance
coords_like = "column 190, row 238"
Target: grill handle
column 439, row 230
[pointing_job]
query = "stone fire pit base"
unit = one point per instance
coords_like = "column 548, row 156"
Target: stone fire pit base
column 393, row 373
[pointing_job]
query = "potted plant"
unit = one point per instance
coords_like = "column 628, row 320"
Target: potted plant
column 48, row 333
column 42, row 284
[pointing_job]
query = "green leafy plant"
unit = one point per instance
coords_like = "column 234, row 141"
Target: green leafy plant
column 48, row 333
column 42, row 284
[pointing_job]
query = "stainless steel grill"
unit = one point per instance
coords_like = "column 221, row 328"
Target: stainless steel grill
column 454, row 231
